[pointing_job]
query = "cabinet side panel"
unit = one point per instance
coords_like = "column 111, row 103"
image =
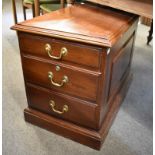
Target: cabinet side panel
column 117, row 66
column 121, row 65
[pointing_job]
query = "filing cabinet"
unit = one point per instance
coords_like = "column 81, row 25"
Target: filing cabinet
column 76, row 65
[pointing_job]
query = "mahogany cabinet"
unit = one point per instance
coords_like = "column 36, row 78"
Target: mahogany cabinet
column 76, row 65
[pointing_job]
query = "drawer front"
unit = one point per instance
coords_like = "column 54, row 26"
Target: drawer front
column 77, row 112
column 50, row 48
column 78, row 83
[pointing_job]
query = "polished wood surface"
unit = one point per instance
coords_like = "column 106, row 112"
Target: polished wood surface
column 80, row 112
column 109, row 91
column 140, row 7
column 36, row 8
column 74, row 55
column 120, row 64
column 91, row 138
column 98, row 29
column 97, row 82
column 80, row 83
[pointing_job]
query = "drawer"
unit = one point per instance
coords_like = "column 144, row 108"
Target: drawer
column 63, row 78
column 49, row 48
column 65, row 107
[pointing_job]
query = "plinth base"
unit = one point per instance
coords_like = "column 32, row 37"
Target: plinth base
column 89, row 137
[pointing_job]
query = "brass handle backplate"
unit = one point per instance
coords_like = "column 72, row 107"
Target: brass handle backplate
column 64, row 109
column 63, row 52
column 64, row 80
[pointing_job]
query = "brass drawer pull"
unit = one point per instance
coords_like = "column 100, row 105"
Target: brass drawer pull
column 64, row 109
column 64, row 80
column 62, row 53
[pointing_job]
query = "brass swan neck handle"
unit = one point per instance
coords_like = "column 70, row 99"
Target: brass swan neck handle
column 64, row 109
column 64, row 80
column 63, row 52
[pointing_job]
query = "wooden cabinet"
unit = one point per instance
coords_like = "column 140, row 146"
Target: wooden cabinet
column 76, row 65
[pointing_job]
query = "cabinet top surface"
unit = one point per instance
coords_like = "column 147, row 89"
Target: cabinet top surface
column 84, row 23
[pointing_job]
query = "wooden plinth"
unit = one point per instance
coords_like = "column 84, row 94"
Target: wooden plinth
column 89, row 137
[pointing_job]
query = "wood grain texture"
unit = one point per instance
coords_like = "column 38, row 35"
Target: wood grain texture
column 120, row 64
column 97, row 66
column 74, row 55
column 140, row 7
column 109, row 77
column 95, row 25
column 80, row 84
column 80, row 112
column 89, row 137
column 37, row 8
